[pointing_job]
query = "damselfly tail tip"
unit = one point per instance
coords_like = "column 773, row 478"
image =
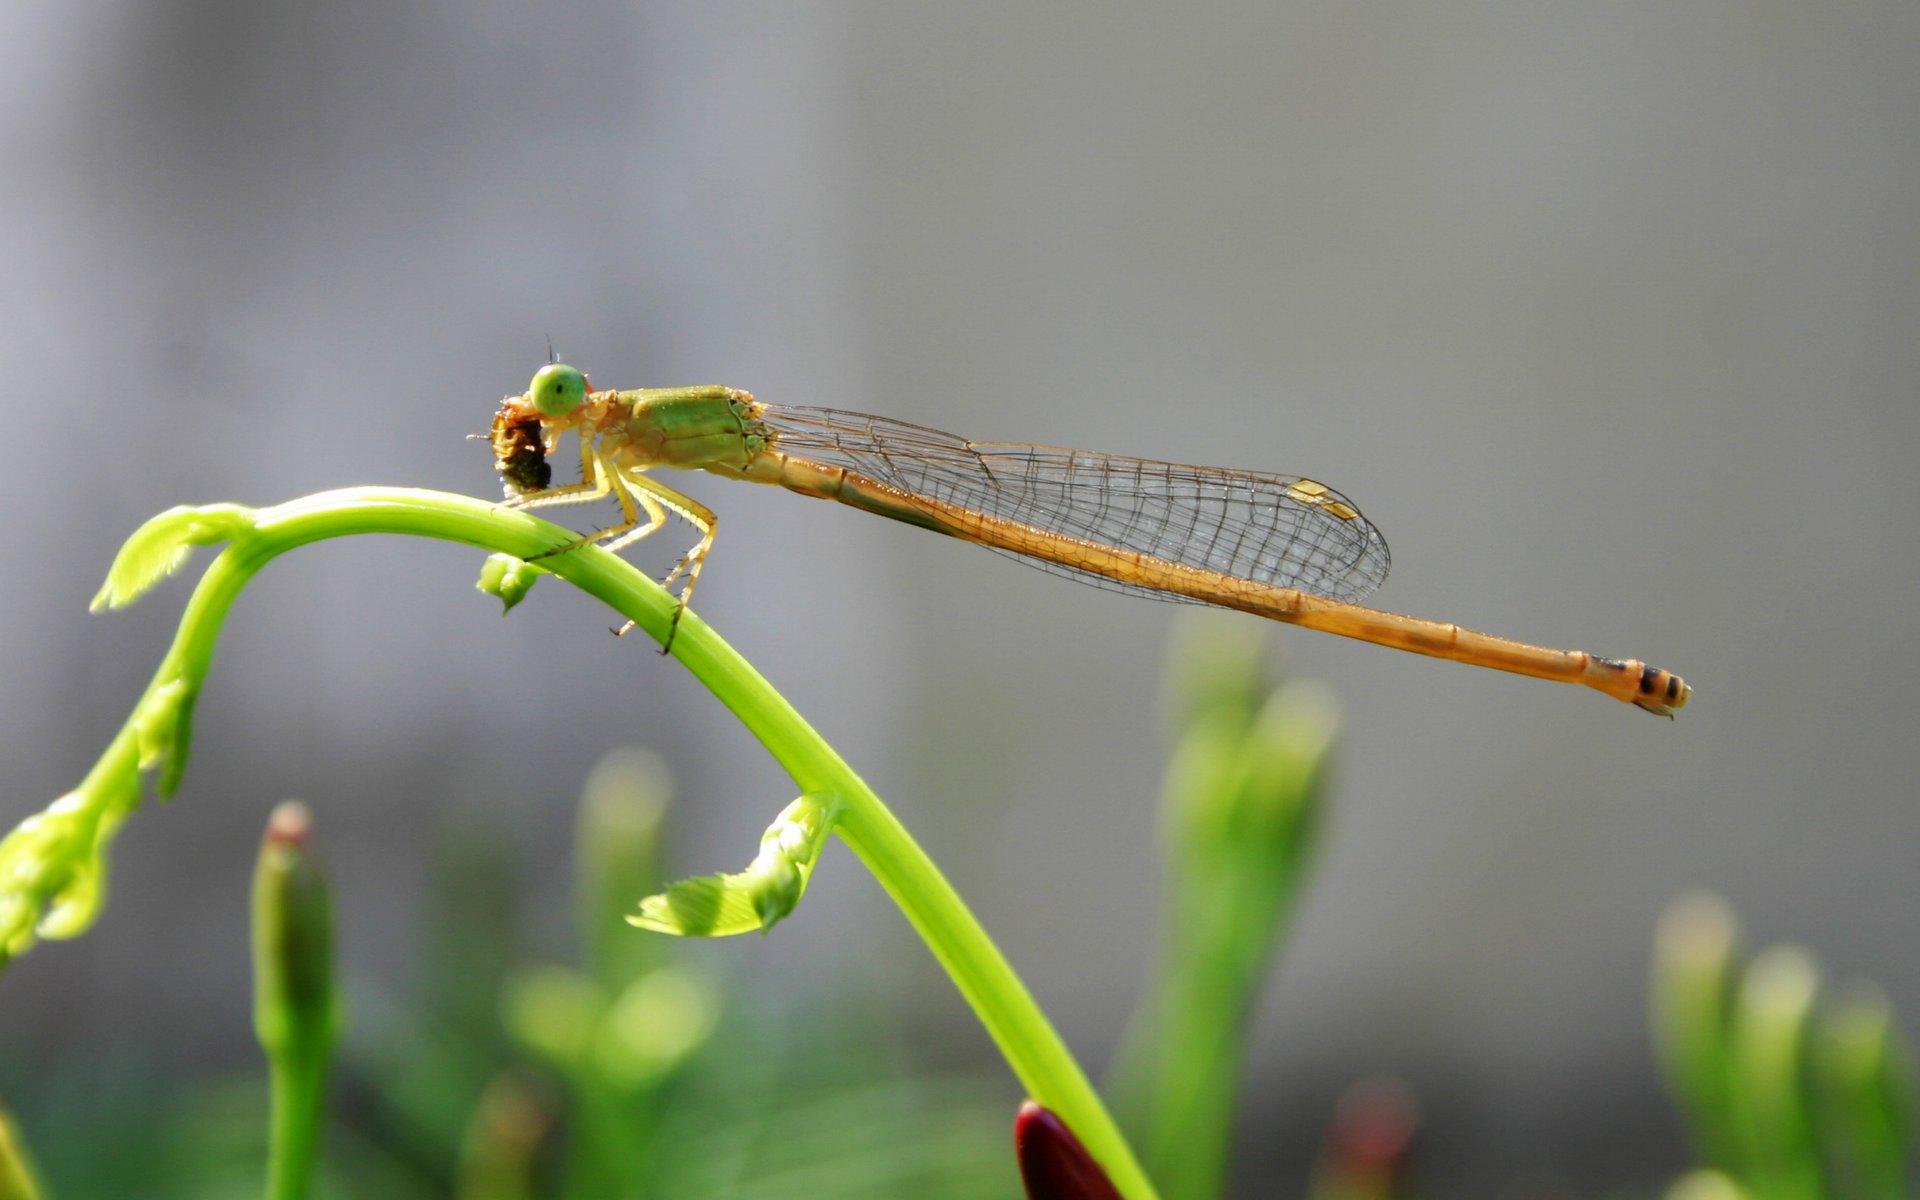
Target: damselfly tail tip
column 1642, row 685
column 1662, row 692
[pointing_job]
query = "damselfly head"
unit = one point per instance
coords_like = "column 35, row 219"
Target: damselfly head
column 557, row 389
column 519, row 454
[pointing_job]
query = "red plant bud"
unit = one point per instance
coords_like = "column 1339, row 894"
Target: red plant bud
column 1371, row 1142
column 1053, row 1163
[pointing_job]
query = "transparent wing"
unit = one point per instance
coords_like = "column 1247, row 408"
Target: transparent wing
column 1277, row 529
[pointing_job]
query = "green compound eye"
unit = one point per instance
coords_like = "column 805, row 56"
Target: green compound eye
column 557, row 389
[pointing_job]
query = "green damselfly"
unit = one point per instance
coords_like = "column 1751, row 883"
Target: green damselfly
column 1279, row 546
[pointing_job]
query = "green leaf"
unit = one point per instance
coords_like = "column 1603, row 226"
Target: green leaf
column 757, row 898
column 160, row 547
column 1692, row 987
column 1772, row 1090
column 1869, row 1073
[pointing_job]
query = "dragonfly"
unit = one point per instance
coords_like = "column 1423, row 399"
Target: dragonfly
column 1283, row 547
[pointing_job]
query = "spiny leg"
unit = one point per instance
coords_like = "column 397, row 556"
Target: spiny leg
column 629, row 517
column 656, row 517
column 700, row 517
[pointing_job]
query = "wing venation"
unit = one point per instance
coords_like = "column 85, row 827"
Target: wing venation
column 1276, row 529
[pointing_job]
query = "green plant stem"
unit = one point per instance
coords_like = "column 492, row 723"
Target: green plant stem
column 298, row 1089
column 1040, row 1060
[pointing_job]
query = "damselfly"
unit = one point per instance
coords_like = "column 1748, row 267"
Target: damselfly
column 1279, row 546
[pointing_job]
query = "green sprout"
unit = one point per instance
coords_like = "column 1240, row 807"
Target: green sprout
column 296, row 1006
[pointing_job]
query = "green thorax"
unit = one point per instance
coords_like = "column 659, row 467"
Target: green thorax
column 692, row 427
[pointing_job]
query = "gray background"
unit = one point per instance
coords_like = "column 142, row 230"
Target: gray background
column 1605, row 313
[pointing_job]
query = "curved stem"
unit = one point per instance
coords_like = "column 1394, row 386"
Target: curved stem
column 1025, row 1037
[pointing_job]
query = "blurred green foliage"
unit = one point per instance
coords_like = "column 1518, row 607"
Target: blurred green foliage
column 1786, row 1097
column 18, row 1180
column 1240, row 813
column 628, row 1075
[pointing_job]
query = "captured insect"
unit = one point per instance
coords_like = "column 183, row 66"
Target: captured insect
column 1279, row 546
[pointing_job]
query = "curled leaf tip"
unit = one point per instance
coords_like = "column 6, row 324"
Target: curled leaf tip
column 53, row 870
column 730, row 903
column 158, row 548
column 507, row 579
column 1053, row 1163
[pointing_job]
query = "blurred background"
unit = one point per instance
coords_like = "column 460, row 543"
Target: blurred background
column 1605, row 314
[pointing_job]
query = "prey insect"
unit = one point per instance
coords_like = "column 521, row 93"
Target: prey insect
column 1280, row 546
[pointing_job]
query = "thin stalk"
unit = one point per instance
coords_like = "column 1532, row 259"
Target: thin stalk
column 297, row 1090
